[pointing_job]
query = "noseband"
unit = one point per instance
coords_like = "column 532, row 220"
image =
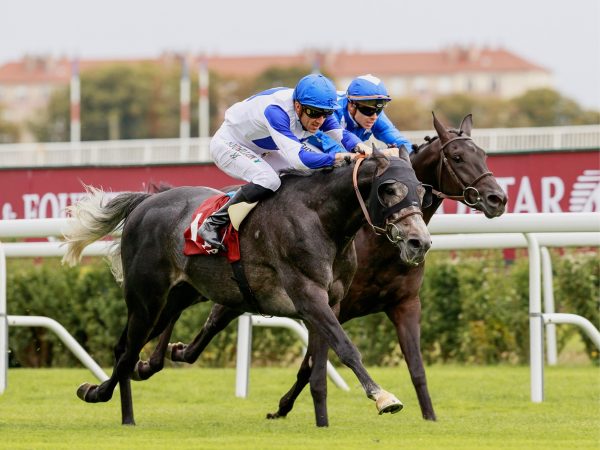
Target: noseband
column 465, row 187
column 391, row 230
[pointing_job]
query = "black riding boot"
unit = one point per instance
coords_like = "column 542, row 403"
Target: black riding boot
column 210, row 227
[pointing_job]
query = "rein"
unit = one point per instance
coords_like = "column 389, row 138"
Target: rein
column 465, row 188
column 389, row 225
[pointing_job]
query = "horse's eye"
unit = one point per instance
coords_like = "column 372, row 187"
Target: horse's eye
column 457, row 158
column 389, row 190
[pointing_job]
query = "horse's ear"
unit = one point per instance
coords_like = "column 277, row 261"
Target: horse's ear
column 403, row 153
column 382, row 161
column 440, row 129
column 467, row 124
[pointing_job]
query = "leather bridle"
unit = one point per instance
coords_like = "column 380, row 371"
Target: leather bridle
column 391, row 230
column 465, row 187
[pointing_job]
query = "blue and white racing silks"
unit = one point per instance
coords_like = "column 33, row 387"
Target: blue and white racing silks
column 267, row 122
column 383, row 129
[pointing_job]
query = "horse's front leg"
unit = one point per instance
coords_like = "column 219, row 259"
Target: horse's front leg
column 318, row 376
column 406, row 318
column 312, row 303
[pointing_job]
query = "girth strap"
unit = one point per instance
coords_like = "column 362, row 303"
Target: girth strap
column 239, row 276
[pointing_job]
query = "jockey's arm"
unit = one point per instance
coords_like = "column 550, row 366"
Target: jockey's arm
column 289, row 145
column 332, row 128
column 385, row 131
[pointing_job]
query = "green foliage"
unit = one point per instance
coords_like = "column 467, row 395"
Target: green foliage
column 135, row 101
column 535, row 108
column 577, row 288
column 474, row 310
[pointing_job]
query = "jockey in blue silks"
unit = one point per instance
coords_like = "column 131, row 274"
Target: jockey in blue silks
column 361, row 111
column 265, row 135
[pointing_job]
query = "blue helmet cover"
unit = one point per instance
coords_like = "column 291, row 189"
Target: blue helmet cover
column 367, row 87
column 316, row 90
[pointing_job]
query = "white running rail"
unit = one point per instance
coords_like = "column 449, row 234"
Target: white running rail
column 530, row 224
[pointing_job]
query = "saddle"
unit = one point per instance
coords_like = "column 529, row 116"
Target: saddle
column 194, row 244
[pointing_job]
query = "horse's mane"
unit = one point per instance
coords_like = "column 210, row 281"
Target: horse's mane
column 304, row 173
column 429, row 140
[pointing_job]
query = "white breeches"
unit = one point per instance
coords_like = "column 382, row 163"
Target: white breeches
column 240, row 162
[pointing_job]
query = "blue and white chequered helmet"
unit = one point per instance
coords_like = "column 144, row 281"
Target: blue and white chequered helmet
column 367, row 88
column 316, row 90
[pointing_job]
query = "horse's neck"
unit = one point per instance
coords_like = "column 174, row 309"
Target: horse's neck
column 336, row 202
column 426, row 163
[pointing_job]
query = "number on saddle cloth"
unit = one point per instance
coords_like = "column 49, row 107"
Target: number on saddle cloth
column 194, row 244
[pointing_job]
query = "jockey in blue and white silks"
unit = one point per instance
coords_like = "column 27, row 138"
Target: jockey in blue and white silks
column 266, row 134
column 361, row 112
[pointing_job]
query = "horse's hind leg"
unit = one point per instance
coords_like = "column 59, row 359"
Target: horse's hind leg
column 220, row 316
column 139, row 325
column 180, row 297
column 406, row 319
column 145, row 369
column 286, row 403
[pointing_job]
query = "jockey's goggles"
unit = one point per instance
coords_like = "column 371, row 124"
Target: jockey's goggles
column 370, row 107
column 316, row 113
column 368, row 111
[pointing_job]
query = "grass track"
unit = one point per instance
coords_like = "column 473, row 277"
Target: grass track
column 193, row 408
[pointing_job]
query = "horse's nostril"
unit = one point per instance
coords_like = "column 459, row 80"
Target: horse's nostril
column 414, row 243
column 419, row 244
column 495, row 200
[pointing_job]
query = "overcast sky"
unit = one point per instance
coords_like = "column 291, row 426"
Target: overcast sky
column 563, row 36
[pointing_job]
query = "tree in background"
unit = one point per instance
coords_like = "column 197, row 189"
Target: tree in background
column 121, row 101
column 140, row 101
column 547, row 107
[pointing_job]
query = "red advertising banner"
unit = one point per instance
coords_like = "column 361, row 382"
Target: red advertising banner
column 535, row 182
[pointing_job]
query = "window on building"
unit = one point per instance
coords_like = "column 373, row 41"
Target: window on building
column 420, row 85
column 494, row 87
column 21, row 92
column 444, row 85
column 469, row 85
column 397, row 87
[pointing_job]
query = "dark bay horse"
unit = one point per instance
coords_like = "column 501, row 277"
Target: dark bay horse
column 298, row 253
column 456, row 168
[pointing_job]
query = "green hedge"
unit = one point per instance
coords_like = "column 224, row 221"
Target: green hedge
column 474, row 310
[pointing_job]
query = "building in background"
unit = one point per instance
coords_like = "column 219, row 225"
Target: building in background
column 27, row 85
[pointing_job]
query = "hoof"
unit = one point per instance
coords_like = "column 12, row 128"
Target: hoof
column 172, row 348
column 274, row 416
column 388, row 403
column 135, row 375
column 83, row 390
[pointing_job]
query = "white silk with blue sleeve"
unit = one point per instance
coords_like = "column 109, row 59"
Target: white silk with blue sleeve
column 267, row 122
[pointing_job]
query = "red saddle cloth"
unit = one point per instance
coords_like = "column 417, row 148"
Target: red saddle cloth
column 195, row 245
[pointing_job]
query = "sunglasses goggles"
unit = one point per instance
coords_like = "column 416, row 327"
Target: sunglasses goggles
column 370, row 110
column 316, row 113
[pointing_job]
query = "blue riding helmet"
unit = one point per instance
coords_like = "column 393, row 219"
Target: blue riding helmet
column 367, row 87
column 317, row 91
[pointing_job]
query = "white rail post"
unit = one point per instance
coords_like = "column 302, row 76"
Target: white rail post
column 244, row 354
column 3, row 323
column 548, row 291
column 536, row 324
